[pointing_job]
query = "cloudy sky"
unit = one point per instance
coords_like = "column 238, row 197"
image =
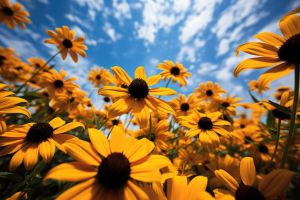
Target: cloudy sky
column 201, row 34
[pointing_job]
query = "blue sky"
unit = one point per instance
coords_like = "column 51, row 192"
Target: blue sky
column 201, row 34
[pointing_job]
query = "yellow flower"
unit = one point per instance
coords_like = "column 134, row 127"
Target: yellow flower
column 158, row 132
column 29, row 140
column 66, row 43
column 109, row 169
column 272, row 186
column 274, row 50
column 99, row 76
column 180, row 189
column 259, row 86
column 38, row 63
column 209, row 91
column 56, row 83
column 184, row 106
column 228, row 105
column 12, row 14
column 136, row 95
column 176, row 72
column 207, row 126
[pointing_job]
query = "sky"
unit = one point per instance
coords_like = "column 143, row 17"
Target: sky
column 200, row 34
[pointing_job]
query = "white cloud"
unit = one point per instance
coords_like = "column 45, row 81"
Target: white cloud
column 80, row 21
column 51, row 19
column 111, row 32
column 93, row 6
column 44, row 1
column 187, row 53
column 201, row 16
column 160, row 15
column 206, row 68
column 121, row 10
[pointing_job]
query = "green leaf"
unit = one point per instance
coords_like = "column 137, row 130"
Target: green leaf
column 253, row 97
column 270, row 120
column 280, row 107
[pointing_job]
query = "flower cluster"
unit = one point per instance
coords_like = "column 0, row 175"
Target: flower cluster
column 56, row 143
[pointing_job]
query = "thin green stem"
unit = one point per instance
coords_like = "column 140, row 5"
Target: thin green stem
column 37, row 72
column 277, row 141
column 293, row 117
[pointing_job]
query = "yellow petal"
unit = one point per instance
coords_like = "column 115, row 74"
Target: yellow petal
column 140, row 73
column 136, row 191
column 117, row 140
column 113, row 91
column 227, row 179
column 68, row 127
column 17, row 159
column 31, row 156
column 138, row 149
column 57, row 122
column 270, row 38
column 46, row 150
column 121, row 74
column 99, row 141
column 247, row 171
column 177, row 188
column 71, row 172
column 162, row 91
column 152, row 80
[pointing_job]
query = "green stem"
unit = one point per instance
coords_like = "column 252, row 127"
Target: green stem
column 293, row 117
column 277, row 141
column 167, row 85
column 37, row 72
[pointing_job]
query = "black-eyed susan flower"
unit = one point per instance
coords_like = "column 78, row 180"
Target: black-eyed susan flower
column 228, row 104
column 56, row 83
column 157, row 132
column 207, row 126
column 100, row 76
column 279, row 91
column 184, row 106
column 278, row 52
column 13, row 14
column 38, row 63
column 109, row 169
column 259, row 86
column 209, row 91
column 137, row 95
column 272, row 186
column 177, row 72
column 28, row 141
column 65, row 40
column 180, row 189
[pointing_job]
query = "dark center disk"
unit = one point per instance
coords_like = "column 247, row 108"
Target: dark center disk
column 98, row 77
column 151, row 137
column 58, row 83
column 106, row 99
column 67, row 43
column 209, row 93
column 225, row 104
column 242, row 125
column 184, row 107
column 205, row 123
column 138, row 88
column 263, row 148
column 8, row 11
column 248, row 139
column 115, row 122
column 114, row 171
column 246, row 192
column 2, row 58
column 289, row 51
column 280, row 115
column 175, row 70
column 39, row 132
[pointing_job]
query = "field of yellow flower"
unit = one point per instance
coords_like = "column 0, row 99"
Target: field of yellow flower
column 56, row 144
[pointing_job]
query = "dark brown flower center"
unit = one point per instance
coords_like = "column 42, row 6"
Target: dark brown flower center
column 205, row 123
column 175, row 70
column 151, row 137
column 115, row 122
column 67, row 43
column 98, row 77
column 209, row 93
column 245, row 192
column 184, row 107
column 280, row 115
column 289, row 51
column 39, row 132
column 138, row 88
column 114, row 171
column 263, row 148
column 58, row 83
column 248, row 139
column 225, row 104
column 106, row 99
column 7, row 11
column 2, row 59
column 242, row 125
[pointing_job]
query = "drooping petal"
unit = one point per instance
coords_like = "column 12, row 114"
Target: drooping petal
column 113, row 91
column 121, row 74
column 271, row 38
column 227, row 179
